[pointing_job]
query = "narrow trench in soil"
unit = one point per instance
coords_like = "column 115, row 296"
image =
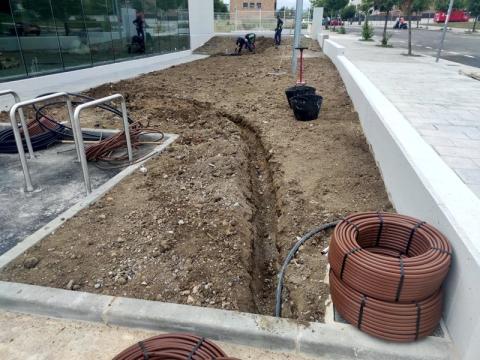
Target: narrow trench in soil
column 264, row 247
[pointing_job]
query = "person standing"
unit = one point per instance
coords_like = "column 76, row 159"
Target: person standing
column 278, row 31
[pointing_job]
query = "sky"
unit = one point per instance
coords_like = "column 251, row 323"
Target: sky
column 289, row 3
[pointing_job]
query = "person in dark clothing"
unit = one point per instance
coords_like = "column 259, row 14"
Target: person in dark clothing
column 250, row 44
column 138, row 41
column 278, row 31
column 139, row 23
column 241, row 43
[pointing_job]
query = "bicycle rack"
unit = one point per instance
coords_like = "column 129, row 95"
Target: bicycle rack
column 78, row 129
column 18, row 107
column 22, row 121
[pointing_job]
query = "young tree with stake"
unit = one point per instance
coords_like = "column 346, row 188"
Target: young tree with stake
column 474, row 8
column 420, row 5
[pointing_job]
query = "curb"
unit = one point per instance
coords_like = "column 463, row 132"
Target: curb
column 312, row 339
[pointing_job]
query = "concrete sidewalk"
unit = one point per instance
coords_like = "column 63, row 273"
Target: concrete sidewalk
column 437, row 99
column 37, row 337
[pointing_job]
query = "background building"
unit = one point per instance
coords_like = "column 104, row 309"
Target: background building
column 38, row 37
column 252, row 5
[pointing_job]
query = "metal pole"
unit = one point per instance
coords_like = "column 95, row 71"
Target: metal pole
column 260, row 14
column 81, row 145
column 297, row 34
column 440, row 47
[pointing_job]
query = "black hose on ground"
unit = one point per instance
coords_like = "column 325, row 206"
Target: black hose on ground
column 290, row 256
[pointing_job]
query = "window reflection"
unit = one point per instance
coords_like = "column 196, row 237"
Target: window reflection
column 45, row 36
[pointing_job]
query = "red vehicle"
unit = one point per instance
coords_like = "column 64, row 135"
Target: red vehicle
column 336, row 22
column 456, row 16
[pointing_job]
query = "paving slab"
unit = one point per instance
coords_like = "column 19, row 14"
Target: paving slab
column 38, row 337
column 438, row 99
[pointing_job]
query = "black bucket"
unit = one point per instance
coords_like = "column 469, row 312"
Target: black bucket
column 306, row 107
column 298, row 90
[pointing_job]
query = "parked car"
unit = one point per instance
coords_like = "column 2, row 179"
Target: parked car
column 456, row 16
column 336, row 22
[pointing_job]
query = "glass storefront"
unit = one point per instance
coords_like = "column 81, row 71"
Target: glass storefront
column 39, row 37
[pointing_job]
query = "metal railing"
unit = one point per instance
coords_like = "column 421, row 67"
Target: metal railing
column 22, row 121
column 18, row 140
column 81, row 147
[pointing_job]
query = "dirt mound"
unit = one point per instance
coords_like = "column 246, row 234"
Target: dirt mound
column 225, row 45
column 216, row 215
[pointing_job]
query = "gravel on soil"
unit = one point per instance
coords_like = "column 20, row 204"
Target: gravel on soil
column 212, row 219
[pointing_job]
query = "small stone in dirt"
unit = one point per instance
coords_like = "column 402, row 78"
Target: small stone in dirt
column 97, row 286
column 181, row 222
column 159, row 297
column 165, row 245
column 69, row 285
column 190, row 299
column 76, row 287
column 30, row 262
column 144, row 283
column 102, row 216
column 217, row 198
column 185, row 292
column 121, row 281
column 109, row 198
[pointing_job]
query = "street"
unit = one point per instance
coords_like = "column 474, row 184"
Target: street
column 458, row 47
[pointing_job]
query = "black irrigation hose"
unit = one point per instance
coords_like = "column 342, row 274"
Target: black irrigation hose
column 55, row 134
column 291, row 254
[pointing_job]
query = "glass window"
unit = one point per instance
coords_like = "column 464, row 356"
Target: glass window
column 150, row 18
column 37, row 35
column 72, row 33
column 245, row 5
column 252, row 5
column 259, row 5
column 99, row 30
column 183, row 30
column 11, row 60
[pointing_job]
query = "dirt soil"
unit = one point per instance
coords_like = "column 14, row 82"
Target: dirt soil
column 213, row 218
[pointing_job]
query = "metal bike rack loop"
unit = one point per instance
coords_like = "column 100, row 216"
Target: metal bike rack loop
column 18, row 107
column 22, row 121
column 78, row 129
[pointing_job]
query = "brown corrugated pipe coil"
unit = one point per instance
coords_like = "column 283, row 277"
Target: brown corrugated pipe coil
column 386, row 274
column 174, row 347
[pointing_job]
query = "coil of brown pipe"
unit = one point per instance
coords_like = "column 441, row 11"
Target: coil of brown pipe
column 389, row 321
column 373, row 258
column 103, row 150
column 174, row 347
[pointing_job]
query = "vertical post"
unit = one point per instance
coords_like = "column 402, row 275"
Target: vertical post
column 21, row 152
column 297, row 34
column 236, row 19
column 126, row 127
column 285, row 16
column 440, row 47
column 260, row 15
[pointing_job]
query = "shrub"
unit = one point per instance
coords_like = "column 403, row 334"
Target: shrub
column 367, row 31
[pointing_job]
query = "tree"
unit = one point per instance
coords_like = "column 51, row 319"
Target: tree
column 366, row 7
column 385, row 6
column 219, row 6
column 442, row 5
column 348, row 12
column 407, row 8
column 474, row 8
column 418, row 6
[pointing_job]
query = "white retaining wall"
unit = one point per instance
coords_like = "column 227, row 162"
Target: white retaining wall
column 420, row 184
column 200, row 13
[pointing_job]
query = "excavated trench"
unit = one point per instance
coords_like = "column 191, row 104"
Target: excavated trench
column 264, row 247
